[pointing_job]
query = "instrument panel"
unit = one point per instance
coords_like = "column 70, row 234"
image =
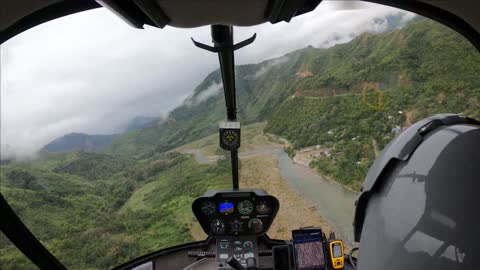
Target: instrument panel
column 235, row 212
column 239, row 247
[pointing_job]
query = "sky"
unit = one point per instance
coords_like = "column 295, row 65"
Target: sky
column 91, row 72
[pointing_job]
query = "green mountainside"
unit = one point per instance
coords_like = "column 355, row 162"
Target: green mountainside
column 260, row 88
column 363, row 92
column 90, row 221
column 96, row 143
column 346, row 98
column 423, row 55
column 98, row 210
column 79, row 141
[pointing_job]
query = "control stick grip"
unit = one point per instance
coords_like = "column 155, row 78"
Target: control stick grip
column 235, row 264
column 251, row 264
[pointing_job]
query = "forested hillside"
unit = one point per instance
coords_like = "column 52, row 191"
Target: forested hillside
column 351, row 98
column 79, row 141
column 422, row 55
column 83, row 214
column 361, row 94
column 97, row 143
column 97, row 210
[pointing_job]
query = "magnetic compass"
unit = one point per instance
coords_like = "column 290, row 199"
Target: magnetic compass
column 230, row 135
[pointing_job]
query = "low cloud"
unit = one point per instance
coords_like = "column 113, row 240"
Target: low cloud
column 212, row 90
column 90, row 72
column 269, row 65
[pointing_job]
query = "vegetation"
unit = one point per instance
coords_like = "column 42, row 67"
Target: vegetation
column 361, row 94
column 98, row 224
column 97, row 210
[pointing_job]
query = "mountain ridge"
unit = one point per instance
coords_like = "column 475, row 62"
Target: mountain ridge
column 96, row 142
column 79, row 141
column 382, row 61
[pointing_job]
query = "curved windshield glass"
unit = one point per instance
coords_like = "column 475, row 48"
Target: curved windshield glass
column 109, row 133
column 12, row 258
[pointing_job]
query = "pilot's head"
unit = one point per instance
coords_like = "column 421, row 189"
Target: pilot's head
column 418, row 209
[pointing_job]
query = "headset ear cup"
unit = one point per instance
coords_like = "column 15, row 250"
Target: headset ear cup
column 395, row 153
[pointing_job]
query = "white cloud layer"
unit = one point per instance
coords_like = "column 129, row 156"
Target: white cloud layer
column 269, row 65
column 212, row 90
column 90, row 72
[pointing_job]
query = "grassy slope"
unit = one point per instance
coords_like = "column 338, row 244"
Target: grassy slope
column 82, row 220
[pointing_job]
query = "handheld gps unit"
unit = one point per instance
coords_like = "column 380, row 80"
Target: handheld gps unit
column 336, row 253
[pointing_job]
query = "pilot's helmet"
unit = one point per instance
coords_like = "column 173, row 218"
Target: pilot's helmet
column 420, row 204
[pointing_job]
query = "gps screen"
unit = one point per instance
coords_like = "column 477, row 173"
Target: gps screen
column 337, row 251
column 309, row 253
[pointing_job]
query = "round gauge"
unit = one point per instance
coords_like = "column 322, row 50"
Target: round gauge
column 230, row 137
column 248, row 244
column 217, row 226
column 263, row 208
column 236, row 226
column 256, row 225
column 208, row 208
column 245, row 207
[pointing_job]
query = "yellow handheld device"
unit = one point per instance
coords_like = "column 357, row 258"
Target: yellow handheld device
column 336, row 253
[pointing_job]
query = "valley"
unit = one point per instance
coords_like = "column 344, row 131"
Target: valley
column 304, row 195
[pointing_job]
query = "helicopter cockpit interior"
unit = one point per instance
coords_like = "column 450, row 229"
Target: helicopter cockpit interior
column 235, row 220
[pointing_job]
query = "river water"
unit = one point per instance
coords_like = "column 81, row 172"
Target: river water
column 334, row 202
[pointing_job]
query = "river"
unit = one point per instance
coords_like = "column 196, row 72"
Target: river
column 334, row 202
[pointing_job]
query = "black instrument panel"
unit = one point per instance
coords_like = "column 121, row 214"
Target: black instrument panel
column 235, row 212
column 239, row 247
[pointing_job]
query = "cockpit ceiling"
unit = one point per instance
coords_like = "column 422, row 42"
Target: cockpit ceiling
column 205, row 12
column 17, row 16
column 468, row 10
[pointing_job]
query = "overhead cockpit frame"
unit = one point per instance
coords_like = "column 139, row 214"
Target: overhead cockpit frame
column 18, row 16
